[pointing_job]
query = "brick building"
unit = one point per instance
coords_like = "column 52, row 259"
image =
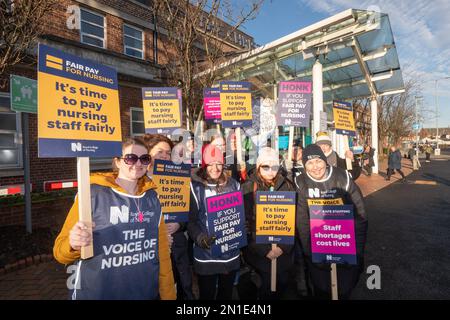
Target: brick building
column 118, row 33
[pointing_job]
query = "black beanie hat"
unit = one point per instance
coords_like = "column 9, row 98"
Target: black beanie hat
column 311, row 152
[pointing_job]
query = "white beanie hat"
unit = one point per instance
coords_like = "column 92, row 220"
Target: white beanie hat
column 324, row 139
column 267, row 154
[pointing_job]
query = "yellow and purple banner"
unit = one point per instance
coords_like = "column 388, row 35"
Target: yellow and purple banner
column 211, row 105
column 344, row 121
column 162, row 109
column 236, row 104
column 78, row 107
column 332, row 230
column 173, row 182
column 275, row 217
column 294, row 103
column 226, row 221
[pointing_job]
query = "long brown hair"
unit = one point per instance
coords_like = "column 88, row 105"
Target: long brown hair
column 219, row 183
column 265, row 182
column 129, row 142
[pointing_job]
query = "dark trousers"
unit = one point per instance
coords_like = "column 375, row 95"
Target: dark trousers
column 216, row 286
column 391, row 171
column 182, row 270
column 427, row 156
column 264, row 291
column 347, row 276
column 368, row 169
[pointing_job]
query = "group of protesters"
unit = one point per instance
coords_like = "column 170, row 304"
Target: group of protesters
column 181, row 252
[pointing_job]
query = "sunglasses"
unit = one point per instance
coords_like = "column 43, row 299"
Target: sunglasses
column 131, row 159
column 267, row 168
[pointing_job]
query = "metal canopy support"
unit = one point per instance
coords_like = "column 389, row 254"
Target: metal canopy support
column 374, row 130
column 373, row 102
column 364, row 69
column 317, row 78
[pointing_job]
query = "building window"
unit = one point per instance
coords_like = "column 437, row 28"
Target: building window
column 133, row 41
column 92, row 28
column 137, row 122
column 10, row 132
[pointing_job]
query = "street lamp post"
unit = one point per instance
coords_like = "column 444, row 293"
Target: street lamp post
column 437, row 116
column 416, row 163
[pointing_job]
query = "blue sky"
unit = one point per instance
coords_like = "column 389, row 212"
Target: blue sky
column 421, row 32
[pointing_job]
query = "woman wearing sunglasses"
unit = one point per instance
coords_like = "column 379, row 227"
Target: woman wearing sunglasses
column 129, row 236
column 215, row 274
column 267, row 177
column 160, row 148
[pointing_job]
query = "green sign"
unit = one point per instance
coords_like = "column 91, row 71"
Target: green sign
column 23, row 94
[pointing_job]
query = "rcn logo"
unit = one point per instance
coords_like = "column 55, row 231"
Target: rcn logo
column 75, row 146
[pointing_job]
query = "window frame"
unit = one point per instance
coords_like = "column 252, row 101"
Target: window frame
column 93, row 24
column 17, row 136
column 132, row 133
column 142, row 40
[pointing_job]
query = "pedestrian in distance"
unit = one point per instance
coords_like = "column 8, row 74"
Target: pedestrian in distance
column 428, row 151
column 368, row 162
column 395, row 163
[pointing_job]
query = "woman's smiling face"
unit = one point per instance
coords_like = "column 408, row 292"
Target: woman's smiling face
column 316, row 168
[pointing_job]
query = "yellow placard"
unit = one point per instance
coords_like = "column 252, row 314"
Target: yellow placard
column 343, row 117
column 275, row 220
column 173, row 193
column 71, row 109
column 164, row 113
column 236, row 106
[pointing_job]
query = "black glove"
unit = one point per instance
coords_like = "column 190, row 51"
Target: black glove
column 204, row 241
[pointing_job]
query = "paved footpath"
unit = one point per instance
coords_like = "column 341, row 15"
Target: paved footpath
column 47, row 280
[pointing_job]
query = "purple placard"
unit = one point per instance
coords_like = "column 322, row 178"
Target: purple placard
column 226, row 221
column 294, row 103
column 211, row 105
column 332, row 234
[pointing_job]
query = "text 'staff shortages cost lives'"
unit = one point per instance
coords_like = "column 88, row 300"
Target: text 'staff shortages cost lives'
column 226, row 221
column 78, row 107
column 173, row 182
column 275, row 217
column 162, row 109
column 332, row 234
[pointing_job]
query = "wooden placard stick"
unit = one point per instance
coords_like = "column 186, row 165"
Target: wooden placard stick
column 291, row 143
column 273, row 278
column 84, row 201
column 346, row 147
column 334, row 284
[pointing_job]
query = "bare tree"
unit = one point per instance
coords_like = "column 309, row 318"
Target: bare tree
column 197, row 37
column 396, row 113
column 21, row 23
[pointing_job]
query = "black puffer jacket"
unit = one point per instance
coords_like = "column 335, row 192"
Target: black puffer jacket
column 337, row 184
column 255, row 254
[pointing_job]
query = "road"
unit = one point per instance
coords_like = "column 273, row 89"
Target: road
column 409, row 236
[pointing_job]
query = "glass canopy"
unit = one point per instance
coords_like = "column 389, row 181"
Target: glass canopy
column 356, row 48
